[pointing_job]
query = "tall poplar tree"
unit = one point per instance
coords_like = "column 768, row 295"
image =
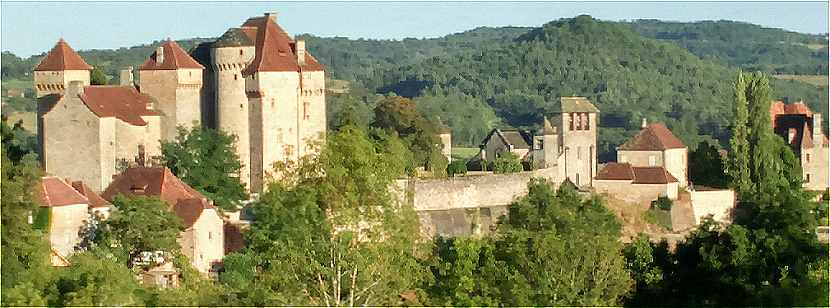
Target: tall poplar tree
column 762, row 150
column 739, row 156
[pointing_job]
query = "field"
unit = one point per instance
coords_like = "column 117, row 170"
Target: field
column 816, row 80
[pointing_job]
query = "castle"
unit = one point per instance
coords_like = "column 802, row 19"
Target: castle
column 254, row 82
column 801, row 129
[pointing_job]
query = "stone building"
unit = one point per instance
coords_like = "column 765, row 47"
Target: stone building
column 266, row 89
column 174, row 80
column 656, row 146
column 68, row 206
column 636, row 184
column 801, row 129
column 202, row 241
column 500, row 141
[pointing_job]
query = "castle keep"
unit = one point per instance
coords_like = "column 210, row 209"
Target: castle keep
column 254, row 82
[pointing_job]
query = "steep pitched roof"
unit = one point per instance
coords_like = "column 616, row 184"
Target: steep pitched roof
column 234, row 37
column 151, row 181
column 61, row 58
column 189, row 210
column 577, row 104
column 616, row 171
column 122, row 102
column 652, row 175
column 94, row 199
column 56, row 192
column 655, row 137
column 174, row 58
column 275, row 50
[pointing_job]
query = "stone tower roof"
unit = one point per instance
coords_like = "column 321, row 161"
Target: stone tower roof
column 655, row 137
column 577, row 104
column 62, row 58
column 275, row 50
column 174, row 58
column 234, row 37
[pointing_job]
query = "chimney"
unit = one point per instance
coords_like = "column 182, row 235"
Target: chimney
column 817, row 132
column 76, row 88
column 159, row 55
column 300, row 52
column 645, row 123
column 272, row 16
column 127, row 76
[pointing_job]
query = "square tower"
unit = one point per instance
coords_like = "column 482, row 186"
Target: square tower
column 576, row 121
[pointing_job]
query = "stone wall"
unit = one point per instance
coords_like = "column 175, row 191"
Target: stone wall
column 204, row 242
column 64, row 224
column 674, row 160
column 718, row 203
column 231, row 100
column 56, row 82
column 578, row 157
column 72, row 144
column 816, row 167
column 466, row 205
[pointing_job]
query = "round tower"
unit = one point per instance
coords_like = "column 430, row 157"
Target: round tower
column 231, row 54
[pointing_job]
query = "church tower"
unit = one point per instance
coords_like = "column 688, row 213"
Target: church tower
column 174, row 80
column 577, row 120
column 61, row 66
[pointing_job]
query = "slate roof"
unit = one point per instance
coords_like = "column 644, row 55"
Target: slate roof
column 638, row 175
column 518, row 139
column 94, row 199
column 174, row 58
column 62, row 57
column 577, row 104
column 655, row 137
column 122, row 102
column 275, row 50
column 56, row 192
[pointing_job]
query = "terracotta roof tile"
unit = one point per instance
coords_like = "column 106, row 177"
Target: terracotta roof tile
column 122, row 102
column 62, row 57
column 652, row 175
column 94, row 199
column 151, row 181
column 655, row 137
column 189, row 210
column 275, row 50
column 174, row 58
column 616, row 171
column 56, row 192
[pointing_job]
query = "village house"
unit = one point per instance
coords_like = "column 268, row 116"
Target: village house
column 203, row 240
column 568, row 143
column 656, row 146
column 636, row 184
column 802, row 130
column 66, row 209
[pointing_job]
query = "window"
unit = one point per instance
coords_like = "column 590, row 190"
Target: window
column 807, row 180
column 808, row 157
column 578, row 152
column 306, row 111
column 571, row 121
column 210, row 235
column 587, row 121
column 235, row 77
column 578, row 121
column 241, row 52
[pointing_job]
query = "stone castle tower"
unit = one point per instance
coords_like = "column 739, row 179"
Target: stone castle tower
column 174, row 80
column 269, row 92
column 60, row 67
column 570, row 141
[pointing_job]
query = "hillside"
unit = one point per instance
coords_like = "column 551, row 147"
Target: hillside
column 748, row 46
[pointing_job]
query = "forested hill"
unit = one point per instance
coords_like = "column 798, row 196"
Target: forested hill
column 749, row 46
column 628, row 77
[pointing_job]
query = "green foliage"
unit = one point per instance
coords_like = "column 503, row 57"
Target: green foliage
column 706, row 166
column 399, row 114
column 96, row 281
column 142, row 224
column 457, row 167
column 660, row 217
column 98, row 77
column 41, row 219
column 206, row 160
column 470, row 119
column 662, row 203
column 507, row 163
column 640, row 261
column 739, row 155
column 17, row 142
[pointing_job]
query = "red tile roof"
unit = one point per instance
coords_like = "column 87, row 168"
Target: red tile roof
column 616, row 171
column 652, row 175
column 56, row 192
column 275, row 50
column 655, row 137
column 174, row 58
column 94, row 199
column 189, row 210
column 61, row 58
column 122, row 102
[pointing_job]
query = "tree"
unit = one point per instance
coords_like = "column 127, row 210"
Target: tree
column 142, row 224
column 17, row 142
column 206, row 160
column 98, row 77
column 96, row 281
column 457, row 167
column 706, row 166
column 399, row 114
column 507, row 163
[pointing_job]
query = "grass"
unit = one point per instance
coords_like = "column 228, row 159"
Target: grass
column 459, row 153
column 816, row 80
column 658, row 217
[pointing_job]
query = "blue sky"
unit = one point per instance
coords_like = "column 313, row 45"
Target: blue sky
column 33, row 27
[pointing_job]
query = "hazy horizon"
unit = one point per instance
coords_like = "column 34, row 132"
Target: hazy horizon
column 127, row 24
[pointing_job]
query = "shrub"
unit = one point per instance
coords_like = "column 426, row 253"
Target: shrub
column 507, row 163
column 662, row 203
column 456, row 167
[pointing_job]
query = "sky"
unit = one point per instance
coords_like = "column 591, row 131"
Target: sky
column 28, row 28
